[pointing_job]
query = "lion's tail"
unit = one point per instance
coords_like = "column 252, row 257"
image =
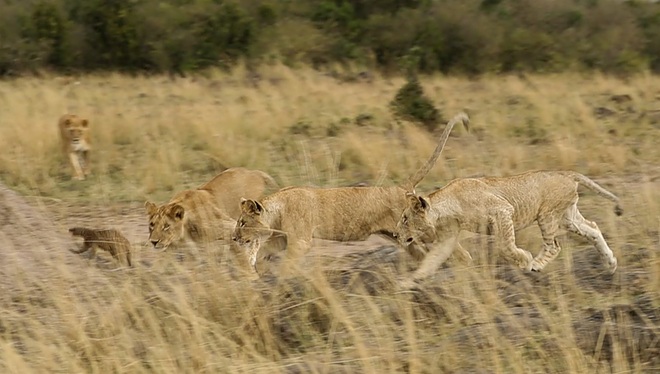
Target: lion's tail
column 424, row 169
column 590, row 184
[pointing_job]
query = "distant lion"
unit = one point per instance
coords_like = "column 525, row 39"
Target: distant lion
column 76, row 145
column 207, row 213
column 499, row 206
column 341, row 213
column 109, row 240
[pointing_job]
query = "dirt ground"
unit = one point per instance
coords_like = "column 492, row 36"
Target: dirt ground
column 130, row 218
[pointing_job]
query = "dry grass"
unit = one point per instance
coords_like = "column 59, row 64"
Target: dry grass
column 153, row 136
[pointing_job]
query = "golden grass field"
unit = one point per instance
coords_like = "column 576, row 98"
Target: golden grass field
column 153, row 136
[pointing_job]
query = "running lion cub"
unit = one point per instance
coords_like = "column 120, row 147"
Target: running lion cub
column 499, row 206
column 343, row 213
column 76, row 146
column 109, row 240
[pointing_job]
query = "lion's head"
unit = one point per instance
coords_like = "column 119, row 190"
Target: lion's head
column 414, row 224
column 166, row 224
column 77, row 130
column 250, row 230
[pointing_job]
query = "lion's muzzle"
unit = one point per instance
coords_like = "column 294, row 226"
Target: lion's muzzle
column 158, row 244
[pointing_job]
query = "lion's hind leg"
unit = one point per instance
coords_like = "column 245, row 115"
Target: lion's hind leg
column 575, row 222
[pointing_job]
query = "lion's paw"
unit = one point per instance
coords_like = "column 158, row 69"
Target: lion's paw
column 613, row 265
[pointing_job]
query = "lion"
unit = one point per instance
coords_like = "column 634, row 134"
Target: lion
column 499, row 206
column 340, row 213
column 109, row 240
column 207, row 213
column 76, row 145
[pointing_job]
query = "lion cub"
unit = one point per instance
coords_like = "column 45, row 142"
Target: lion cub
column 499, row 206
column 109, row 240
column 208, row 212
column 74, row 135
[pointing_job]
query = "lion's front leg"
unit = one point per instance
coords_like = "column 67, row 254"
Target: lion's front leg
column 502, row 221
column 296, row 248
column 417, row 251
column 436, row 256
column 74, row 160
column 84, row 248
column 463, row 255
column 86, row 166
column 252, row 253
column 92, row 252
column 246, row 257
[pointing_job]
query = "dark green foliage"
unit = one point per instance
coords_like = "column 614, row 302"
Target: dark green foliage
column 266, row 14
column 48, row 28
column 450, row 36
column 411, row 104
column 111, row 32
column 222, row 35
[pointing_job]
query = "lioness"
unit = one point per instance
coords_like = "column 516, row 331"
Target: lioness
column 499, row 206
column 74, row 134
column 341, row 213
column 208, row 212
column 109, row 240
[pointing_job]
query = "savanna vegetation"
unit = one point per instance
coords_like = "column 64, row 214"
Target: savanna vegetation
column 326, row 93
column 157, row 135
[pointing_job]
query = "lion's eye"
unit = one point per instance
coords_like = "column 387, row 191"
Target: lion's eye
column 167, row 227
column 151, row 224
column 405, row 220
column 241, row 223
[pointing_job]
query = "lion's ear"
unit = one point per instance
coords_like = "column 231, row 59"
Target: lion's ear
column 84, row 122
column 251, row 207
column 176, row 211
column 150, row 207
column 412, row 198
column 420, row 204
column 424, row 203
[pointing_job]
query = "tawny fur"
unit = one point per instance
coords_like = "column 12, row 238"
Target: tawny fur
column 499, row 206
column 76, row 145
column 108, row 240
column 341, row 213
column 207, row 213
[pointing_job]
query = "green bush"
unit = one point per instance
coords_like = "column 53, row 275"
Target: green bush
column 411, row 104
